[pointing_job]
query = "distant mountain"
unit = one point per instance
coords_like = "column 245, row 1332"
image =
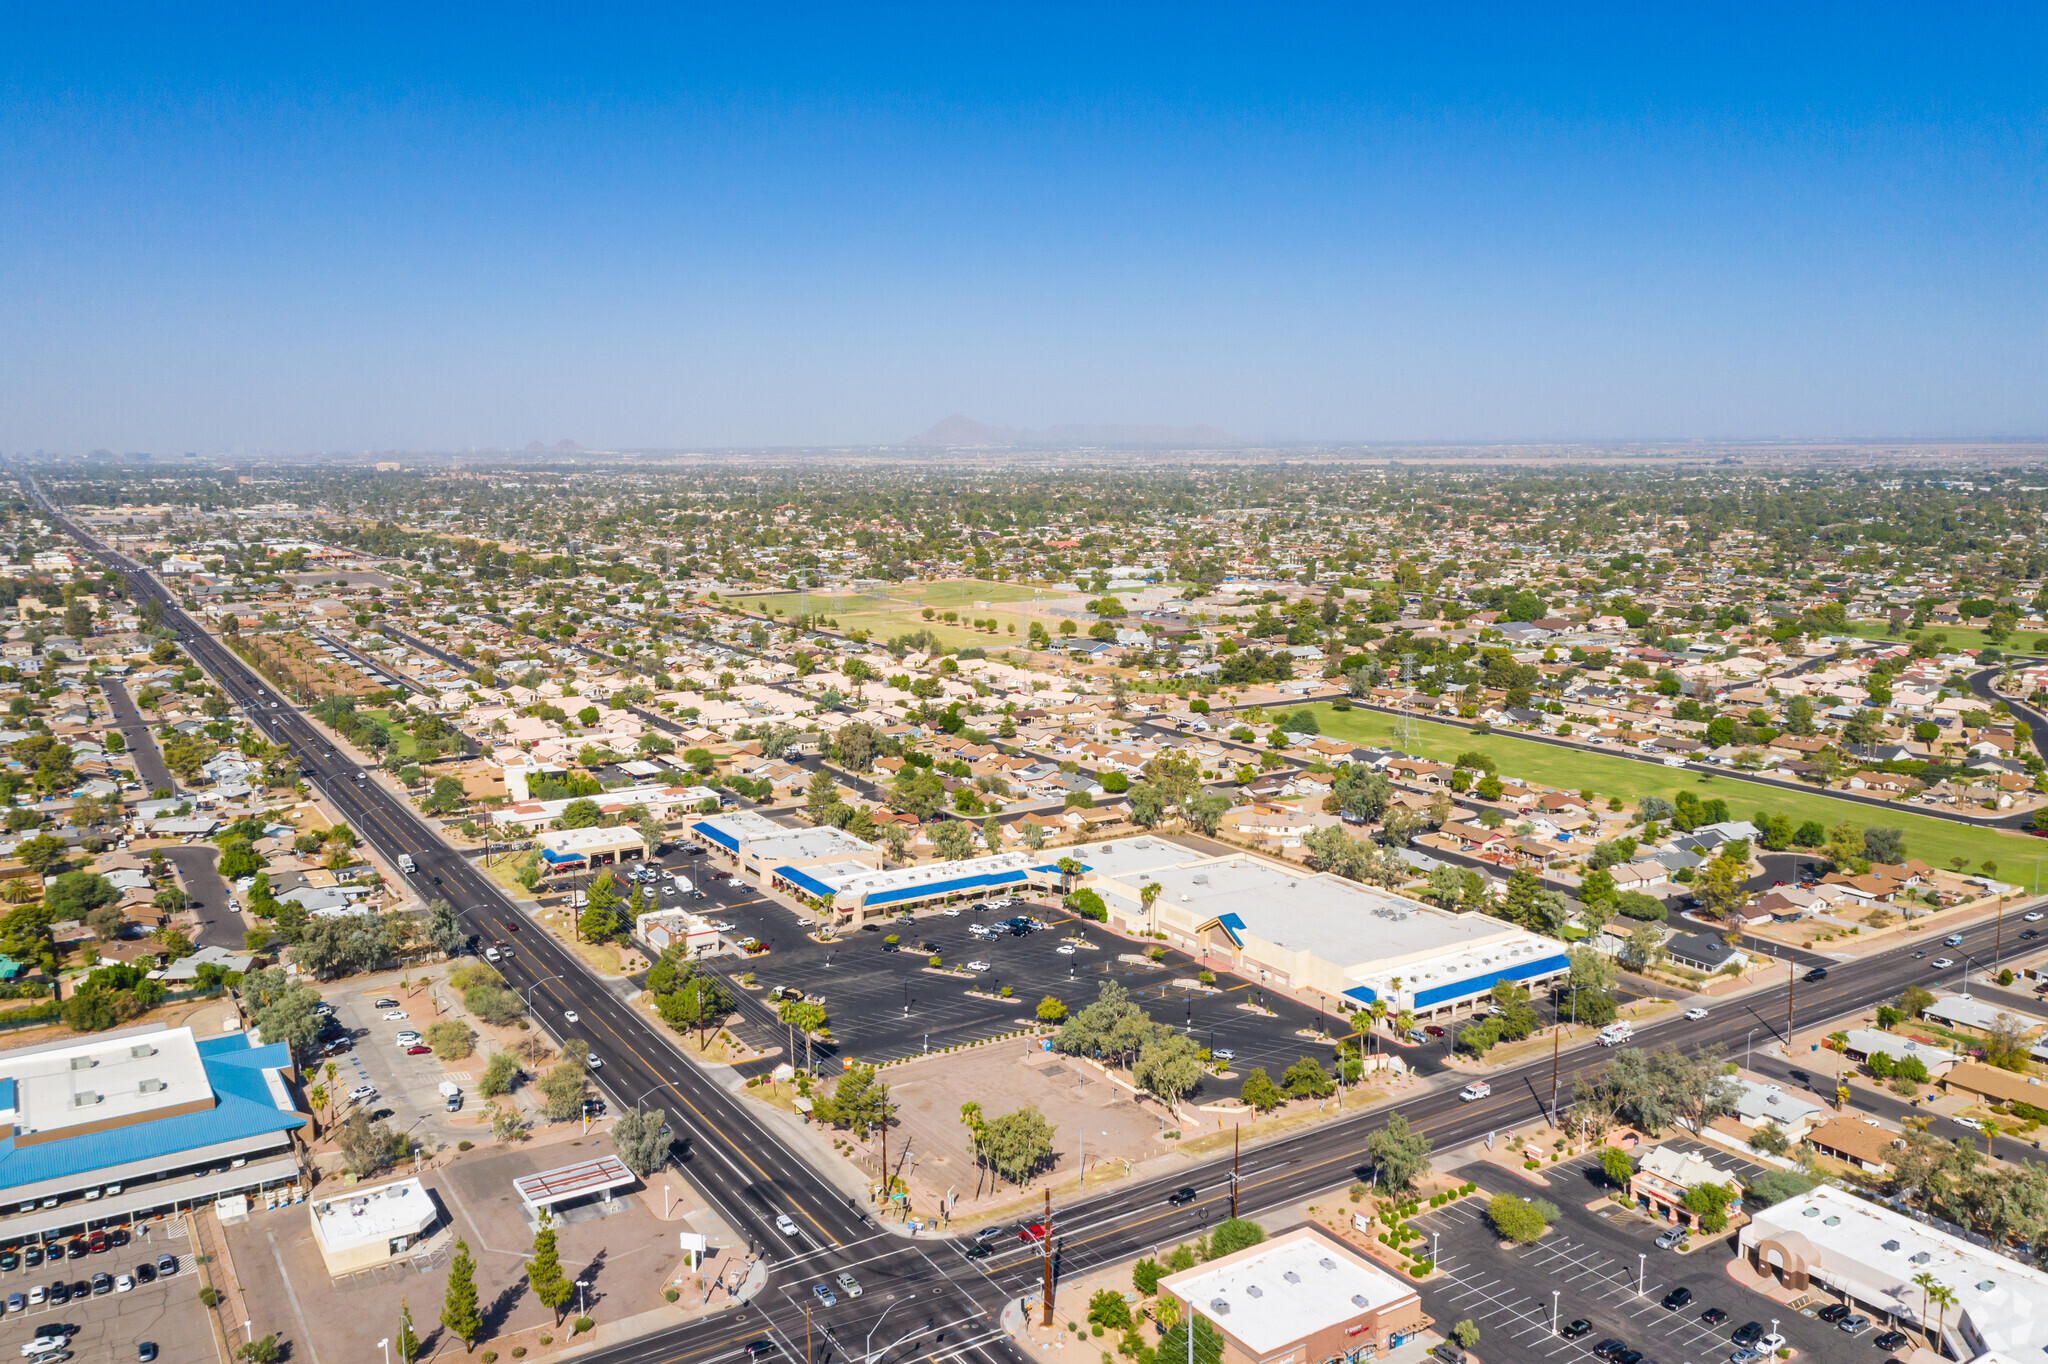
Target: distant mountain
column 534, row 445
column 958, row 432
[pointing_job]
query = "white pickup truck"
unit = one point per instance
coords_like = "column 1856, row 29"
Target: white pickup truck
column 406, row 864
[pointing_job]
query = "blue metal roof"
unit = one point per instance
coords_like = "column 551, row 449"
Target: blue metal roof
column 717, row 835
column 243, row 1108
column 1481, row 983
column 551, row 856
column 805, row 882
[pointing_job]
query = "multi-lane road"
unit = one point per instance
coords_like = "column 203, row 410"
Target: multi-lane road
column 752, row 1179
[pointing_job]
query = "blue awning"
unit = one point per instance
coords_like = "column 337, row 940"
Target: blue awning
column 958, row 883
column 805, row 882
column 717, row 835
column 553, row 858
column 1362, row 993
column 1481, row 983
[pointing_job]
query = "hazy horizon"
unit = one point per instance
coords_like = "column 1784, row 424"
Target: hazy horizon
column 264, row 231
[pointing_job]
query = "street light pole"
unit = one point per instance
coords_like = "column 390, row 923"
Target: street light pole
column 535, row 986
column 1553, row 1311
column 1746, row 1041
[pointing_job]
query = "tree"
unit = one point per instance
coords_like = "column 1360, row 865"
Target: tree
column 1650, row 1091
column 1306, row 1079
column 821, row 794
column 45, row 853
column 1145, row 1276
column 1148, row 806
column 1166, row 1067
column 1051, row 1010
column 494, row 1004
column 75, row 893
column 2005, row 1043
column 499, row 1073
column 562, row 1088
column 544, row 1270
column 283, row 1008
column 1259, row 1091
column 1207, row 811
column 1709, row 1202
column 450, row 1039
column 859, row 1102
column 1466, row 1333
column 1519, row 1219
column 367, row 1147
column 170, row 900
column 1233, row 1234
column 1913, row 999
column 106, row 922
column 444, row 930
column 581, row 814
column 407, row 1343
column 1884, row 844
column 1108, row 1310
column 953, row 840
column 638, row 1140
column 1399, row 1153
column 1616, row 1164
column 1175, row 1348
column 446, row 797
column 1018, row 1142
column 1644, row 946
column 460, row 1316
column 1724, row 885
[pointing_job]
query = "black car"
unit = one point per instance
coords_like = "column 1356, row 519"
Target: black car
column 1574, row 1329
column 2029, row 933
column 118, row 1236
column 1890, row 1340
column 9, row 1260
column 1713, row 1316
column 1834, row 1312
column 759, row 1349
column 980, row 1250
column 1749, row 1333
column 77, row 1250
column 1629, row 1357
column 31, row 1256
column 145, row 1273
column 1609, row 1348
column 1817, row 973
column 1183, row 1195
column 1677, row 1298
column 60, row 1292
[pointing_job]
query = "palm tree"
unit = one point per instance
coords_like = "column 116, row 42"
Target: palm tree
column 970, row 1117
column 1924, row 1280
column 1378, row 1010
column 1944, row 1298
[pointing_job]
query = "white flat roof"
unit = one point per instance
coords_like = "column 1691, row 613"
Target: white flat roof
column 124, row 1075
column 592, row 839
column 1875, row 1254
column 574, row 1181
column 1285, row 1290
column 788, row 845
column 361, row 1217
column 1977, row 1013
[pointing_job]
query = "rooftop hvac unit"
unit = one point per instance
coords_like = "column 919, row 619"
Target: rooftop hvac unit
column 152, row 1086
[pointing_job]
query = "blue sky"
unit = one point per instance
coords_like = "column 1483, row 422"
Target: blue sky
column 431, row 228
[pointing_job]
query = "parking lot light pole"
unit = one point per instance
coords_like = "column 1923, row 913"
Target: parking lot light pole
column 581, row 1303
column 1642, row 1267
column 1553, row 1310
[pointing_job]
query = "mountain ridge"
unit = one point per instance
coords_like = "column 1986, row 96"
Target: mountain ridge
column 961, row 432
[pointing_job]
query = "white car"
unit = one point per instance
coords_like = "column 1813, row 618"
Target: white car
column 408, row 1038
column 953, row 912
column 1065, row 949
column 47, row 1340
column 977, row 966
column 597, row 1063
column 490, row 954
column 2032, row 916
column 1478, row 1089
column 1943, row 962
column 1970, row 1123
column 1695, row 1013
column 396, row 1016
column 362, row 1094
column 122, row 1283
column 784, row 1225
column 570, row 1016
column 1771, row 1343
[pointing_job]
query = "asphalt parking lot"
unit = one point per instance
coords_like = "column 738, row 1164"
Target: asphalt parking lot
column 1592, row 1262
column 408, row 1094
column 884, row 1004
column 109, row 1327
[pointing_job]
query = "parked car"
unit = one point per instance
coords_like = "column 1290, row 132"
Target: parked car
column 1713, row 1316
column 1572, row 1330
column 1890, row 1340
column 166, row 1264
column 1855, row 1324
column 1833, row 1312
column 1678, row 1297
column 362, row 1094
column 1670, row 1238
column 419, row 1049
column 396, row 1015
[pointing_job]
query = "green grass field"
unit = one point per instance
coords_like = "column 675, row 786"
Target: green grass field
column 901, row 610
column 1959, row 637
column 1934, row 841
column 402, row 743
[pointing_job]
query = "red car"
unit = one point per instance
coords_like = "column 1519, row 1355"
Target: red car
column 1033, row 1232
column 418, row 1050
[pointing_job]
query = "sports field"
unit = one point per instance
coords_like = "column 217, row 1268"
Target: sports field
column 1957, row 637
column 900, row 609
column 1934, row 841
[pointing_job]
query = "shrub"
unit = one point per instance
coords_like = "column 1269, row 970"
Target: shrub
column 465, row 1145
column 581, row 1325
column 208, row 1297
column 1519, row 1219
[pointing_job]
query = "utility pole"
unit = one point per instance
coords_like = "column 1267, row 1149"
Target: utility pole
column 1791, row 984
column 1998, row 942
column 1045, row 1291
column 885, row 1164
column 807, row 1333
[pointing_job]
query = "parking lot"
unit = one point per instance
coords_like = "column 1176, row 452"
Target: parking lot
column 1604, row 1267
column 109, row 1327
column 406, row 1086
column 884, row 1004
